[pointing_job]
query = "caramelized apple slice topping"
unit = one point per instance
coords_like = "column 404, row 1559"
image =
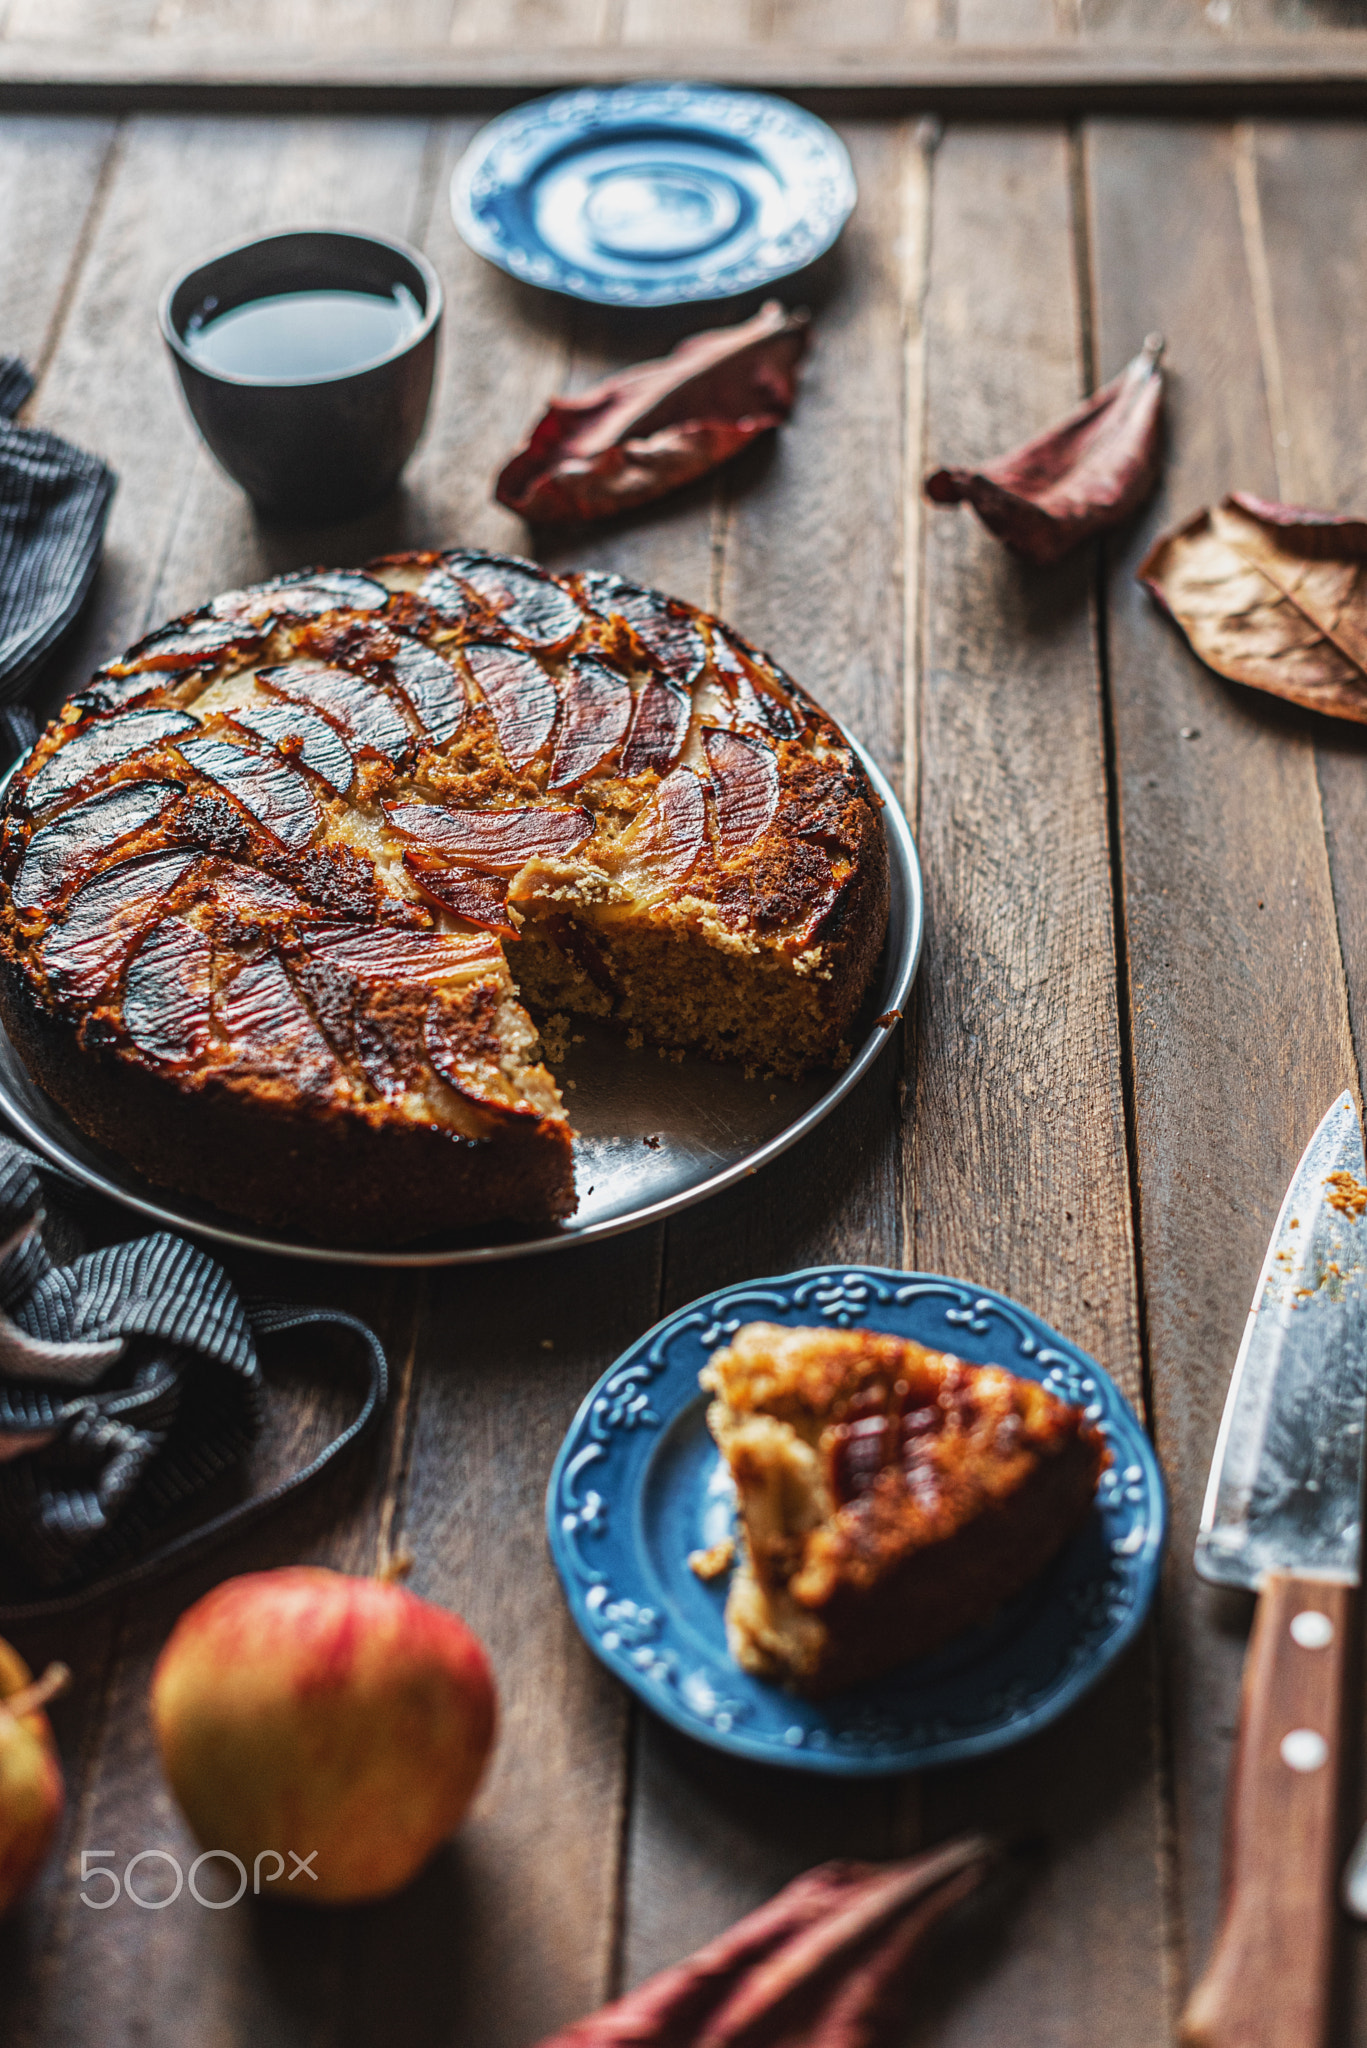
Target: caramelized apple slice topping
column 479, row 899
column 166, row 994
column 246, row 902
column 379, row 953
column 595, row 712
column 60, row 853
column 464, row 1046
column 501, row 841
column 520, row 696
column 360, row 710
column 271, row 1030
column 303, row 737
column 306, row 594
column 658, row 730
column 276, row 795
column 662, row 846
column 667, row 629
column 201, row 642
column 85, row 952
column 755, row 699
column 744, row 785
column 538, row 609
column 432, row 689
column 451, row 600
column 100, row 745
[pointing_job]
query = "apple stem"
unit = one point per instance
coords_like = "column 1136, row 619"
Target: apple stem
column 33, row 1698
column 396, row 1566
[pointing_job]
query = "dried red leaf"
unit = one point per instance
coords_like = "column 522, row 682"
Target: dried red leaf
column 500, row 841
column 744, row 785
column 660, row 424
column 1274, row 596
column 822, row 1965
column 1089, row 472
column 595, row 712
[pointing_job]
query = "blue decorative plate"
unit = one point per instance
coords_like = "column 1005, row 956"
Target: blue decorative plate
column 638, row 1484
column 653, row 195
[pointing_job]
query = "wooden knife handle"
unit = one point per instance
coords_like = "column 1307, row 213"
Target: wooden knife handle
column 1268, row 1981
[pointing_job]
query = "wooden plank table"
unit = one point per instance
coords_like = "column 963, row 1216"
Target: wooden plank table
column 1145, row 977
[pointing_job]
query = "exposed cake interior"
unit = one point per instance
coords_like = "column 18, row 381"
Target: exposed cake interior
column 888, row 1496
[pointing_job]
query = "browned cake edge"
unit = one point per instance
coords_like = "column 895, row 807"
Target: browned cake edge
column 319, row 1177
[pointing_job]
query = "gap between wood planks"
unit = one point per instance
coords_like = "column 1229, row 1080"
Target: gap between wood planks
column 1173, row 1952
column 1053, row 80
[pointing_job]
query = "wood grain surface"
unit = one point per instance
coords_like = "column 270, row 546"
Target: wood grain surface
column 1146, row 962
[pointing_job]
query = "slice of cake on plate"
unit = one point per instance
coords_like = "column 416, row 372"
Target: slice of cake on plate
column 889, row 1497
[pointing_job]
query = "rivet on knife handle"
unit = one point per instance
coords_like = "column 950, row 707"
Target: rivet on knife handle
column 1354, row 1888
column 1268, row 1981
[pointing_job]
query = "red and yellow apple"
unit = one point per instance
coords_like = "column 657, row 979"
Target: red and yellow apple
column 31, row 1792
column 339, row 1722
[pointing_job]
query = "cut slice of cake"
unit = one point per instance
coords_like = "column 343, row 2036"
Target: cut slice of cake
column 889, row 1497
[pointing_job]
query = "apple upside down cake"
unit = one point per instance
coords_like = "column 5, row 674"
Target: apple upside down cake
column 277, row 885
column 889, row 1497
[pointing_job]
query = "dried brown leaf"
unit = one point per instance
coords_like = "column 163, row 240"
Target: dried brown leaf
column 822, row 1965
column 1087, row 473
column 1271, row 595
column 658, row 425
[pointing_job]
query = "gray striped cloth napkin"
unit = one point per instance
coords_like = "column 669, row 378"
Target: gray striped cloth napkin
column 129, row 1381
column 54, row 501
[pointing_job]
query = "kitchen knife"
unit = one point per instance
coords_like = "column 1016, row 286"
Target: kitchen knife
column 1282, row 1516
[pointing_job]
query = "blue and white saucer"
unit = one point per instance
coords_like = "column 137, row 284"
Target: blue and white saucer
column 653, row 195
column 638, row 1484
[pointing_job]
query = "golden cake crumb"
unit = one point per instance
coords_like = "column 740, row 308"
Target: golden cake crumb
column 709, row 1564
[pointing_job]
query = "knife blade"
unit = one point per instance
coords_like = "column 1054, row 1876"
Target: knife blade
column 1285, row 1491
column 1283, row 1516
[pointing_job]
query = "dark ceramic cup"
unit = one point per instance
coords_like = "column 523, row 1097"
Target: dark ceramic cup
column 309, row 449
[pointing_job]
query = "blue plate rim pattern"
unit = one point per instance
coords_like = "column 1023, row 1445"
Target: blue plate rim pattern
column 505, row 152
column 614, row 1594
